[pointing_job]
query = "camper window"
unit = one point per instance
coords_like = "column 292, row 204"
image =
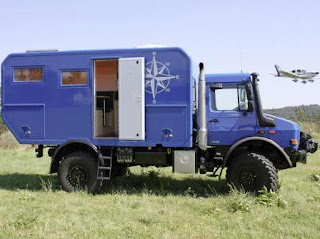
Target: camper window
column 74, row 77
column 28, row 74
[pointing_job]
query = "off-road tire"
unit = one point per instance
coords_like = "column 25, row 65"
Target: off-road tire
column 78, row 172
column 252, row 172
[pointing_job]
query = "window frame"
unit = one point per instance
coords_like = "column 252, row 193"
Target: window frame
column 213, row 106
column 61, row 71
column 14, row 68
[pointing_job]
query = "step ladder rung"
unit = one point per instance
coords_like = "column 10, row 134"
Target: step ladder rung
column 106, row 157
column 102, row 167
column 103, row 178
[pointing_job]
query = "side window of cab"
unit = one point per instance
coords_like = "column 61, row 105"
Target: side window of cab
column 230, row 97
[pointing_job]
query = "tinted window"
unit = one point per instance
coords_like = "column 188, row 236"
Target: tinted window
column 74, row 77
column 28, row 74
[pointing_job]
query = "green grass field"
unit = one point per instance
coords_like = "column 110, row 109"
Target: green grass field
column 153, row 203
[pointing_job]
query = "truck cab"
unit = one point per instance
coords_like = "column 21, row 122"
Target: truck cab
column 239, row 130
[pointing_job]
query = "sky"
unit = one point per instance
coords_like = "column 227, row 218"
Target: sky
column 227, row 36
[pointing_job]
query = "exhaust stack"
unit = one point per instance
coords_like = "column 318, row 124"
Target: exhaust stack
column 202, row 134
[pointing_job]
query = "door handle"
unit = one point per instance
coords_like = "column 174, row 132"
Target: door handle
column 214, row 121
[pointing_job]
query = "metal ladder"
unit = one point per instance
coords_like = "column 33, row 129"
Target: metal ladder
column 104, row 166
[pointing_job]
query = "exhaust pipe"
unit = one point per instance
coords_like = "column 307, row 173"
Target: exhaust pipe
column 202, row 134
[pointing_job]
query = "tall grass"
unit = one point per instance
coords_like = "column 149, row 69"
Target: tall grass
column 3, row 127
column 309, row 122
column 8, row 141
column 153, row 203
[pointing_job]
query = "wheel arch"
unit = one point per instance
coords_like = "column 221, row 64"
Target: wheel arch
column 251, row 141
column 69, row 147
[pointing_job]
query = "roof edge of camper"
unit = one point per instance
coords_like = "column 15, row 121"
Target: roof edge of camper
column 41, row 50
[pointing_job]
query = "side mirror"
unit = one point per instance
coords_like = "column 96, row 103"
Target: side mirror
column 216, row 86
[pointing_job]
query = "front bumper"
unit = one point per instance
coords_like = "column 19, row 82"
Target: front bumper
column 307, row 145
column 299, row 156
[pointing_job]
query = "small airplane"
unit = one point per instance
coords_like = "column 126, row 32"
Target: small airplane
column 297, row 75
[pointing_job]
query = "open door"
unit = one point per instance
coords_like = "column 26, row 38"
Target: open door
column 131, row 98
column 106, row 98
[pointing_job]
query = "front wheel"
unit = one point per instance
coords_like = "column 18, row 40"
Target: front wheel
column 78, row 172
column 252, row 172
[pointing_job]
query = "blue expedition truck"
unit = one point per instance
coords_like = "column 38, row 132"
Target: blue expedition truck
column 102, row 111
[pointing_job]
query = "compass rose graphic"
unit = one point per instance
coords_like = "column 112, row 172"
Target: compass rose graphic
column 157, row 77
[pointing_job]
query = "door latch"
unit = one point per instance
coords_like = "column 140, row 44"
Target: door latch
column 26, row 130
column 167, row 133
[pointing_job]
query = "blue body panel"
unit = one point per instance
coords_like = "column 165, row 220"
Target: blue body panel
column 284, row 131
column 55, row 114
column 49, row 113
column 228, row 78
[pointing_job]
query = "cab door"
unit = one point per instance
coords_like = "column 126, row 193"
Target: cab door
column 230, row 115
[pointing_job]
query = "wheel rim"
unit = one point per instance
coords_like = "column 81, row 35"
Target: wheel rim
column 78, row 177
column 247, row 179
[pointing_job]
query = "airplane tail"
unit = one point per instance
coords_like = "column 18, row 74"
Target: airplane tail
column 278, row 70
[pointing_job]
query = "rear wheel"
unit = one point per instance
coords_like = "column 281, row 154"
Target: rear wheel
column 78, row 171
column 252, row 172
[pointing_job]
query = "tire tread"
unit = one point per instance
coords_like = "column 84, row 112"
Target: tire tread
column 259, row 160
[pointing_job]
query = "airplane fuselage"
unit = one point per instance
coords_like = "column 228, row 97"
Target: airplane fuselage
column 302, row 74
column 296, row 75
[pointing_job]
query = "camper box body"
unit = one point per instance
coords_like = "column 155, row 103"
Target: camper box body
column 133, row 98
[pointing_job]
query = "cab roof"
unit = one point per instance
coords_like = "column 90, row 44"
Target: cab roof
column 228, row 78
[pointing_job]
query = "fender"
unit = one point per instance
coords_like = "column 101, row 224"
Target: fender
column 60, row 148
column 251, row 139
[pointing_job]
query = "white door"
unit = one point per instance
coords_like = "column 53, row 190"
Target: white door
column 131, row 99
